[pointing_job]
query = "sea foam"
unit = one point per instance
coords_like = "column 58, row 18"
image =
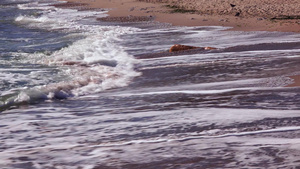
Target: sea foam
column 92, row 64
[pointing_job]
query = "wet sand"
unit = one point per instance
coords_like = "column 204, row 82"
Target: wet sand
column 296, row 82
column 246, row 15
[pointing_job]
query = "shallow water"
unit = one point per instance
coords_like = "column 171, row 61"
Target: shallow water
column 77, row 93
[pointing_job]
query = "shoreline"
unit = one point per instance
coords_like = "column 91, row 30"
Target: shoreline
column 140, row 11
column 167, row 13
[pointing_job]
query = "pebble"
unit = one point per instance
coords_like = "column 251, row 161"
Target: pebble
column 237, row 14
column 131, row 9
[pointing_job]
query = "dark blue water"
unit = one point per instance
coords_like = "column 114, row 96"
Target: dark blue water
column 77, row 93
column 18, row 42
column 18, row 38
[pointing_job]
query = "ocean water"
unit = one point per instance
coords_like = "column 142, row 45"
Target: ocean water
column 77, row 93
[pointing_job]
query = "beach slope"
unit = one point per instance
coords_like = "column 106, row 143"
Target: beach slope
column 245, row 15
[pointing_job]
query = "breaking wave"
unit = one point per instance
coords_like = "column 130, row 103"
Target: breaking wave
column 91, row 64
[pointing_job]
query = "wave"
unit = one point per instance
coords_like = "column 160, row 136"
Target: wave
column 52, row 18
column 91, row 64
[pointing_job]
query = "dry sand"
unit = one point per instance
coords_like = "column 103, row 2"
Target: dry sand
column 253, row 15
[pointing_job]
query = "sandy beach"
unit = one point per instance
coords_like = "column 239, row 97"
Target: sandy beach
column 246, row 15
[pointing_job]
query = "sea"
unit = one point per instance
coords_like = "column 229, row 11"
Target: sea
column 80, row 93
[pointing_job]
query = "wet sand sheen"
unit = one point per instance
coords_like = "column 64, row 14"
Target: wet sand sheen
column 296, row 82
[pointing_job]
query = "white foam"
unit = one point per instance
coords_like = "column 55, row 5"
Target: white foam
column 293, row 56
column 187, row 92
column 202, row 89
column 35, row 5
column 95, row 63
column 52, row 18
column 92, row 64
column 55, row 131
column 58, row 19
column 97, row 152
column 22, row 97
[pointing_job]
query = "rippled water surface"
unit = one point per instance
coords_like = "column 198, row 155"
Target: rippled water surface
column 79, row 93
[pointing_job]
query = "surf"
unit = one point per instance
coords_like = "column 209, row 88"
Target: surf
column 94, row 62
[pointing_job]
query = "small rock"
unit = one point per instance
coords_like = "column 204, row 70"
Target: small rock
column 178, row 47
column 232, row 5
column 192, row 18
column 237, row 14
